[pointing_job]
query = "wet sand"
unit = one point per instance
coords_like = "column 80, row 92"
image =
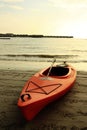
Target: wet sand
column 68, row 113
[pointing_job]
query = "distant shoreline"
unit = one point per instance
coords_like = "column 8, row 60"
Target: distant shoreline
column 8, row 35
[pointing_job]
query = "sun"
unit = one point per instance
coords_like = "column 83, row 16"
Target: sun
column 77, row 30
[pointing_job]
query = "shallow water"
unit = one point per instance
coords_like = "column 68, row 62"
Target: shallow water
column 36, row 53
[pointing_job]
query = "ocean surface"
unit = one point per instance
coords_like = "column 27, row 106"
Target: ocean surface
column 38, row 53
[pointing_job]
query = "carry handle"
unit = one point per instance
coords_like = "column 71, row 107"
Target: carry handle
column 23, row 95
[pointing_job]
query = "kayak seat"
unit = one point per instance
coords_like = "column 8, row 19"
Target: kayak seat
column 57, row 71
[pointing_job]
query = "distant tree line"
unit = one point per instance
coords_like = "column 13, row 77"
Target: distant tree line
column 33, row 36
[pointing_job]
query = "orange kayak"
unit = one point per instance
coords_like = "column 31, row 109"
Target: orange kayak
column 41, row 89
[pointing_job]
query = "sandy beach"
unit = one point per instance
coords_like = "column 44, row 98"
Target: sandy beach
column 68, row 113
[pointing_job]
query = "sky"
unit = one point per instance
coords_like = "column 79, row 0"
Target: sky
column 46, row 17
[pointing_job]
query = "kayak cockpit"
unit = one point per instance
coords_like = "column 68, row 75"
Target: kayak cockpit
column 57, row 71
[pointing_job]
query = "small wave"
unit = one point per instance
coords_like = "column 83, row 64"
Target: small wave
column 40, row 58
column 38, row 55
column 79, row 50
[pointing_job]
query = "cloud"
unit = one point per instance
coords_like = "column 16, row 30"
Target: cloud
column 12, row 4
column 1, row 6
column 68, row 4
column 11, row 1
column 16, row 7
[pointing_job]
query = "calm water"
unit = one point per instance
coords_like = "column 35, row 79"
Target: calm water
column 39, row 52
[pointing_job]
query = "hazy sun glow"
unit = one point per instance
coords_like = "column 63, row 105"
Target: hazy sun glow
column 47, row 17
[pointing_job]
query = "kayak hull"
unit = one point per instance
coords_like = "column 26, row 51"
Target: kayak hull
column 41, row 90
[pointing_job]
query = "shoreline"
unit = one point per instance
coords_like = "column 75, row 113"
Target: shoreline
column 35, row 66
column 69, row 112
